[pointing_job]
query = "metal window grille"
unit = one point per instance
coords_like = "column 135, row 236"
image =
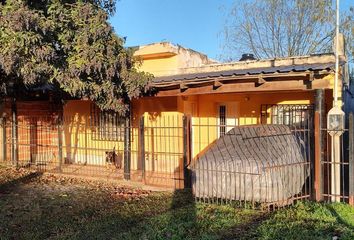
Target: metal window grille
column 106, row 125
column 297, row 115
column 222, row 119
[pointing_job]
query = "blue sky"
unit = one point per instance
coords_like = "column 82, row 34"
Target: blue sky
column 196, row 24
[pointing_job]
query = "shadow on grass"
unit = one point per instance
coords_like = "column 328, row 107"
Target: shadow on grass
column 306, row 220
column 183, row 217
column 13, row 184
column 89, row 212
column 166, row 217
column 339, row 218
column 247, row 229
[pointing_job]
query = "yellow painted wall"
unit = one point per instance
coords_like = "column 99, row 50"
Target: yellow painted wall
column 163, row 132
column 339, row 92
column 162, row 59
column 79, row 144
column 204, row 112
column 164, row 142
column 160, row 66
column 163, row 139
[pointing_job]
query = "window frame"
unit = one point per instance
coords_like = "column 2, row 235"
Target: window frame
column 222, row 120
column 106, row 125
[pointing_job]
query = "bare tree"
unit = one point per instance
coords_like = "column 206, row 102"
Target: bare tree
column 280, row 28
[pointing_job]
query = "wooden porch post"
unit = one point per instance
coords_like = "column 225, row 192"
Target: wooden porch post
column 317, row 171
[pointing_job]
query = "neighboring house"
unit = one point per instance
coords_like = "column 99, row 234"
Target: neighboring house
column 214, row 96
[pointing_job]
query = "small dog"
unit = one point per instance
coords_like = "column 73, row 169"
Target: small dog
column 113, row 159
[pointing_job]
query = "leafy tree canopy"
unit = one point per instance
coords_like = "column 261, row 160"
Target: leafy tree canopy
column 71, row 45
column 281, row 28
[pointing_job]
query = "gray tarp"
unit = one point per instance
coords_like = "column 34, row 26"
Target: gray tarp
column 261, row 163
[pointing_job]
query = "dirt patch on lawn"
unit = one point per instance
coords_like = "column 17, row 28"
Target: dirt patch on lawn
column 17, row 181
column 43, row 206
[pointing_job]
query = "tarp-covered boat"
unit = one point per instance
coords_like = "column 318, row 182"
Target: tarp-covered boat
column 261, row 163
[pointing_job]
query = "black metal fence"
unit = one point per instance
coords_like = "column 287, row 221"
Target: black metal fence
column 162, row 150
column 67, row 146
column 337, row 172
column 150, row 150
column 270, row 164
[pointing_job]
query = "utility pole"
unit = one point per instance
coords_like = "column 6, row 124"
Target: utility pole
column 335, row 125
column 335, row 103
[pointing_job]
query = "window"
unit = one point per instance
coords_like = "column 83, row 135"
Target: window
column 222, row 120
column 290, row 115
column 106, row 125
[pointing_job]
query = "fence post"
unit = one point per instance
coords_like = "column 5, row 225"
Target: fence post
column 317, row 179
column 14, row 129
column 142, row 147
column 60, row 142
column 127, row 148
column 186, row 152
column 351, row 159
column 4, row 147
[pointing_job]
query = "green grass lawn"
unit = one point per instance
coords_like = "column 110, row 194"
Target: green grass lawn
column 47, row 207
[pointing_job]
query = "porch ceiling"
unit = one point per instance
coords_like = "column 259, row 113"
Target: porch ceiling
column 294, row 77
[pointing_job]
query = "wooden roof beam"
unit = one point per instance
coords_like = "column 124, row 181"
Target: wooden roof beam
column 250, row 87
column 260, row 80
column 231, row 78
column 311, row 75
column 183, row 87
column 311, row 78
column 217, row 84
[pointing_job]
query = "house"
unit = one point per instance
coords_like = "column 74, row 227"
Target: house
column 219, row 96
column 197, row 100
